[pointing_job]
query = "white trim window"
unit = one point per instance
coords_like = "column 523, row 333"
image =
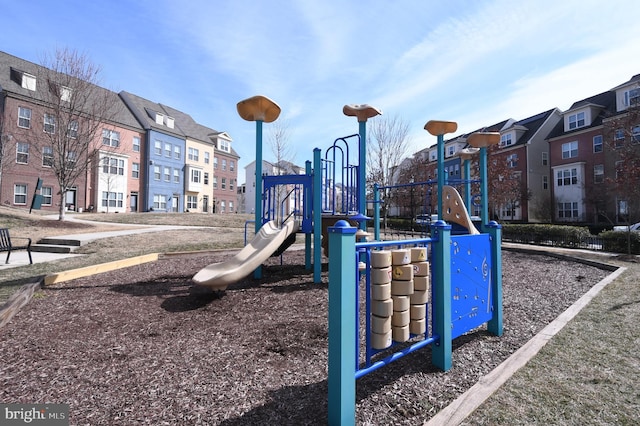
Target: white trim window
column 598, row 173
column 157, row 148
column 192, row 202
column 47, row 156
column 136, row 144
column 176, row 176
column 632, row 97
column 47, row 195
column 206, row 157
column 568, row 210
column 112, row 199
column 159, row 202
column 110, row 138
column 567, row 177
column 135, row 170
column 72, row 129
column 577, row 120
column 24, row 117
column 194, row 154
column 156, row 173
column 570, row 150
column 19, row 194
column 597, row 144
column 22, row 153
column 196, row 176
column 49, row 124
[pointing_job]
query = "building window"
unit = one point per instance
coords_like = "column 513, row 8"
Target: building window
column 506, row 140
column 231, row 184
column 71, row 159
column 232, row 166
column 157, row 148
column 512, row 160
column 598, row 173
column 215, row 163
column 113, row 166
column 619, row 170
column 567, row 177
column 223, row 207
column 206, row 178
column 545, row 158
column 135, row 170
column 136, row 144
column 631, row 97
column 156, row 172
column 196, row 176
column 231, row 206
column 24, row 118
column 176, row 176
column 224, row 145
column 224, row 183
column 167, row 174
column 635, row 134
column 22, row 153
column 19, row 194
column 545, row 182
column 110, row 138
column 159, row 202
column 49, row 124
column 576, row 120
column 597, row 144
column 176, row 152
column 567, row 210
column 618, row 137
column 112, row 199
column 192, row 202
column 28, row 82
column 570, row 149
column 47, row 196
column 215, row 182
column 206, row 157
column 451, row 150
column 224, row 165
column 167, row 150
column 72, row 129
column 194, row 154
column 47, row 156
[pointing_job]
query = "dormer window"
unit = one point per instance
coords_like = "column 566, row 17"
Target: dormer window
column 169, row 122
column 632, row 97
column 224, row 145
column 26, row 80
column 159, row 118
column 65, row 94
column 506, row 139
column 576, row 120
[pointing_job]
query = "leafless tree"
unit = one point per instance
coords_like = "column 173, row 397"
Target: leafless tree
column 77, row 110
column 387, row 144
column 279, row 140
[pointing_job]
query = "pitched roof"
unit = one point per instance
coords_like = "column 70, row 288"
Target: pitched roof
column 12, row 67
column 143, row 109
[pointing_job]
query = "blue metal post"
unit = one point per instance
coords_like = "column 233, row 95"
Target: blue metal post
column 257, row 274
column 317, row 216
column 484, row 188
column 376, row 212
column 362, row 172
column 494, row 325
column 441, row 351
column 467, row 186
column 308, row 211
column 441, row 176
column 342, row 324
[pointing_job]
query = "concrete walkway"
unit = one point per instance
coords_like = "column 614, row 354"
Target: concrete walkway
column 21, row 257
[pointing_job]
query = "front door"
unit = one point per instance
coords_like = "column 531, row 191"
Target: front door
column 205, row 203
column 174, row 203
column 133, row 202
column 70, row 199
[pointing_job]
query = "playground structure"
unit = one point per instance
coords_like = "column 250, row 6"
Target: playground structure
column 418, row 292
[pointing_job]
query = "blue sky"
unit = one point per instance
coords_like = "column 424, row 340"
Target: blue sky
column 473, row 62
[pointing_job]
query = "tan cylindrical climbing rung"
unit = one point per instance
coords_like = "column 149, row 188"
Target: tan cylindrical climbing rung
column 381, row 341
column 402, row 272
column 418, row 326
column 419, row 297
column 399, row 319
column 382, row 308
column 418, row 312
column 380, row 258
column 400, row 334
column 418, row 254
column 381, row 275
column 380, row 325
column 380, row 291
column 400, row 257
column 401, row 288
column 421, row 283
column 421, row 269
column 400, row 303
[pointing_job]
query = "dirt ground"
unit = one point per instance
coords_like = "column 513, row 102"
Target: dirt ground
column 142, row 345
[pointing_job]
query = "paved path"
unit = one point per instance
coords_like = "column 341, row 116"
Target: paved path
column 21, row 258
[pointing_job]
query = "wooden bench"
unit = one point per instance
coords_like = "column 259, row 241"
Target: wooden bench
column 6, row 245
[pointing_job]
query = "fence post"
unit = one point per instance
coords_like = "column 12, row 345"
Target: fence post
column 494, row 325
column 342, row 323
column 441, row 281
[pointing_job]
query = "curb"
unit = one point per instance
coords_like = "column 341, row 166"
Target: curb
column 456, row 412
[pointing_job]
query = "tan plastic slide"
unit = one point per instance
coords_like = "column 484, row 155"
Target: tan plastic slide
column 268, row 239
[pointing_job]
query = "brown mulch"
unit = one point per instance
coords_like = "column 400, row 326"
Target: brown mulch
column 142, row 345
